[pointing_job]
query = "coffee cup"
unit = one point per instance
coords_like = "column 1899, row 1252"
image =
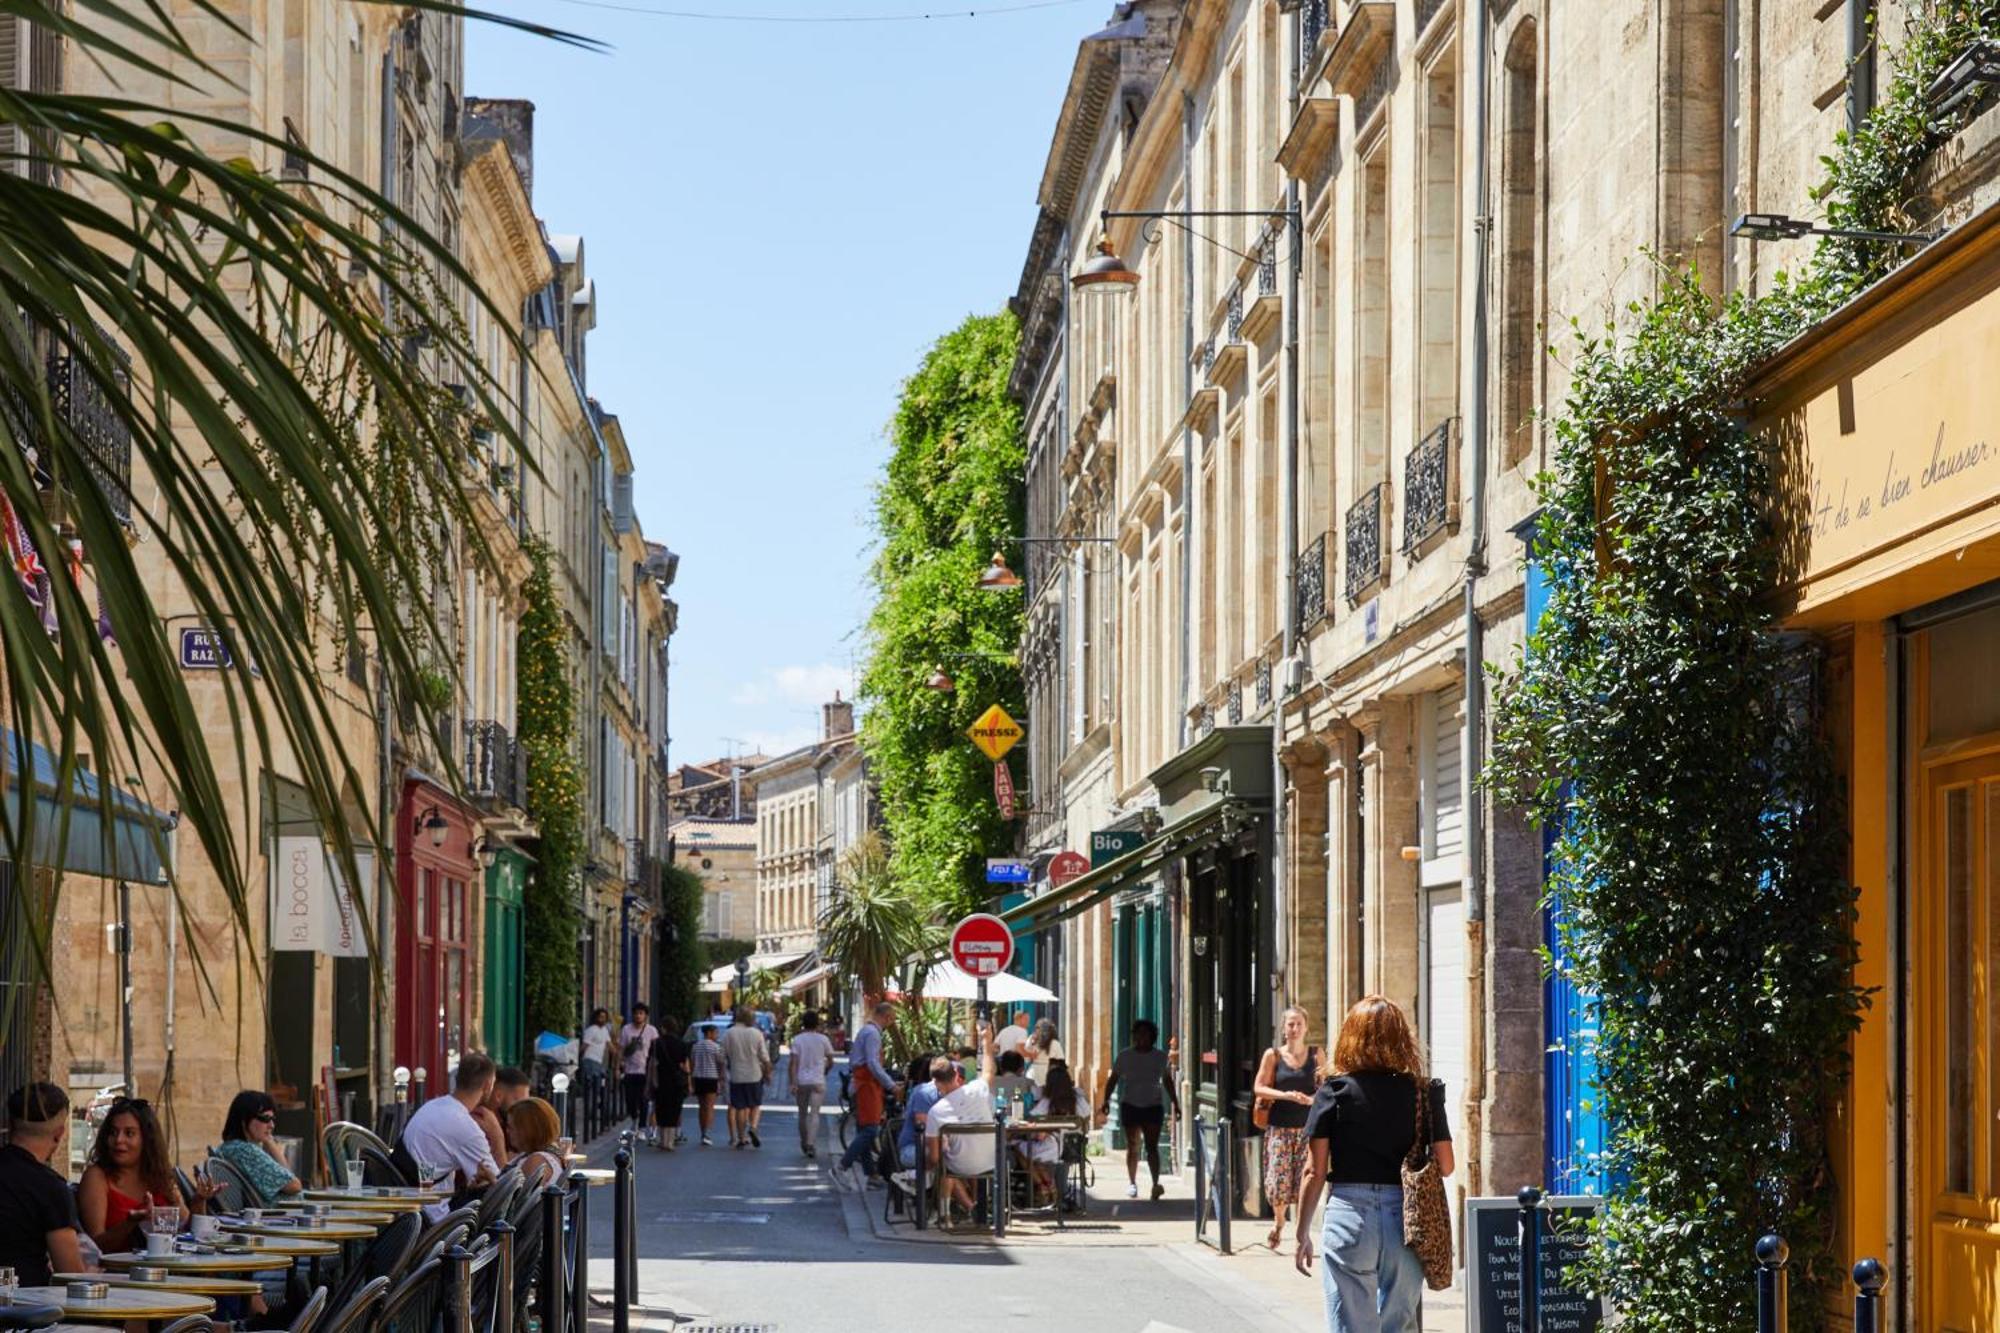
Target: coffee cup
column 204, row 1227
column 252, row 1216
column 159, row 1244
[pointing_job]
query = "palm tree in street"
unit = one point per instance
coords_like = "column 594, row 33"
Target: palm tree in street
column 872, row 926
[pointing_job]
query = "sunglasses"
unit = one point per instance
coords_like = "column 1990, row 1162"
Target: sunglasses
column 129, row 1104
column 268, row 1118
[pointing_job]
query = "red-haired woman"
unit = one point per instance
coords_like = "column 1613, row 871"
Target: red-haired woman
column 1362, row 1125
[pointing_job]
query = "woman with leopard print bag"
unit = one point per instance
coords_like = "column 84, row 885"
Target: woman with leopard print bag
column 1380, row 1152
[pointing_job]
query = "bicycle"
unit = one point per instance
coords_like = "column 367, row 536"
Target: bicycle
column 845, row 1128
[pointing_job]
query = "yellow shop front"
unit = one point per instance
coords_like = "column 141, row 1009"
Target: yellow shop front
column 1887, row 422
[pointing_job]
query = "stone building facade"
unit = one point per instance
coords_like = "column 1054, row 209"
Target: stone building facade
column 789, row 827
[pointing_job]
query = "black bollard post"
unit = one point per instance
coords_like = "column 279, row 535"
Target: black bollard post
column 579, row 1239
column 631, row 1247
column 1869, row 1279
column 458, row 1263
column 550, row 1280
column 503, row 1301
column 1000, row 1174
column 1225, row 1174
column 624, row 1246
column 921, row 1191
column 1528, row 1239
column 1772, row 1256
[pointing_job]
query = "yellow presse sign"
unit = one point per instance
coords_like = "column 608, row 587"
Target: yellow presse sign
column 995, row 733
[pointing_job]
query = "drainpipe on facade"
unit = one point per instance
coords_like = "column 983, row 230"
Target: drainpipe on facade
column 1188, row 508
column 1475, row 635
column 1288, row 543
column 385, row 859
column 1860, row 62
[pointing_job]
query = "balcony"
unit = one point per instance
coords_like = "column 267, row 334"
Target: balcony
column 1430, row 490
column 495, row 765
column 1315, row 17
column 1226, row 362
column 79, row 396
column 1261, row 315
column 1309, row 585
column 1367, row 553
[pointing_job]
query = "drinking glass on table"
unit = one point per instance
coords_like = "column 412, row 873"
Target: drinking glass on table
column 355, row 1169
column 10, row 1282
column 163, row 1223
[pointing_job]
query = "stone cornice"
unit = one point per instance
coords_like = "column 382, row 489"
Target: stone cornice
column 493, row 178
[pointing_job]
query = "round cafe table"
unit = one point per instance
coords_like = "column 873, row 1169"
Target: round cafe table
column 258, row 1261
column 341, row 1212
column 342, row 1230
column 401, row 1202
column 196, row 1283
column 118, row 1304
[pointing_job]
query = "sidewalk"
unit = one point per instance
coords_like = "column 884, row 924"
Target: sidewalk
column 1251, row 1272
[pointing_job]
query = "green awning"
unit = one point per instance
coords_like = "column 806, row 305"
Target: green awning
column 67, row 830
column 1087, row 890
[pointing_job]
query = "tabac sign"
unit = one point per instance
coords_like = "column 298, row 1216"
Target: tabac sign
column 995, row 733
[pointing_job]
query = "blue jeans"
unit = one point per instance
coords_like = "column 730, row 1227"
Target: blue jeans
column 860, row 1147
column 1373, row 1282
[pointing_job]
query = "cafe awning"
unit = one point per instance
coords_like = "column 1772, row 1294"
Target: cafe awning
column 722, row 978
column 70, row 832
column 1184, row 835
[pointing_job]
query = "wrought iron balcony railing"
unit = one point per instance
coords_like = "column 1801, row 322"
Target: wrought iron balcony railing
column 1267, row 266
column 1366, row 555
column 1315, row 16
column 1309, row 584
column 78, row 394
column 495, row 764
column 1234, row 703
column 1263, row 682
column 1233, row 321
column 1430, row 487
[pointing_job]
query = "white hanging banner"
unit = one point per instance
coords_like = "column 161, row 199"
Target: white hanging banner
column 312, row 906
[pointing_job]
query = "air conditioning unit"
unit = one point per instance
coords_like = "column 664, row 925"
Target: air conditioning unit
column 1292, row 675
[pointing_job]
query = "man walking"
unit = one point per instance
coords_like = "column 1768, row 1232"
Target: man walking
column 812, row 1056
column 872, row 1086
column 747, row 1060
column 635, row 1051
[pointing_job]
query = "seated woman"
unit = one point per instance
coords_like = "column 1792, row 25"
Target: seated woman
column 249, row 1144
column 1043, row 1151
column 535, row 1129
column 128, row 1177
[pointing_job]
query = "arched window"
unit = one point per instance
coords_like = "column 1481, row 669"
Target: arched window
column 1520, row 244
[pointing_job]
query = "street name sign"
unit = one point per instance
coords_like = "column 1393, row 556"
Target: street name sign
column 995, row 733
column 1109, row 844
column 1065, row 867
column 204, row 650
column 982, row 945
column 1493, row 1266
column 1002, row 870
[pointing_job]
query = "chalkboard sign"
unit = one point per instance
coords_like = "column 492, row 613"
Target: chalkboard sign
column 1493, row 1266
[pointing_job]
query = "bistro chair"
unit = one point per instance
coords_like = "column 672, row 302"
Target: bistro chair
column 499, row 1198
column 387, row 1256
column 29, row 1316
column 438, row 1235
column 470, row 1305
column 378, row 1167
column 358, row 1315
column 193, row 1323
column 341, row 1137
column 413, row 1306
column 309, row 1315
column 236, row 1191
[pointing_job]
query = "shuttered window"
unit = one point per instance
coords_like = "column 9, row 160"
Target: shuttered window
column 1441, row 738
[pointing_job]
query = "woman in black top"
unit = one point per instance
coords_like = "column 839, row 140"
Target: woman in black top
column 670, row 1087
column 1362, row 1125
column 1286, row 1078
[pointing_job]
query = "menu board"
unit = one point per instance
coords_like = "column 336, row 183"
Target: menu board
column 1493, row 1266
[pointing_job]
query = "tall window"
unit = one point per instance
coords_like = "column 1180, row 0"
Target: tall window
column 1437, row 308
column 1520, row 212
column 1371, row 344
column 1267, row 564
column 1317, row 424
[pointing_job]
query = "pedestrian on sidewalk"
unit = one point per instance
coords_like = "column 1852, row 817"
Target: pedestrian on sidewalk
column 594, row 1059
column 1042, row 1049
column 1286, row 1079
column 705, row 1068
column 1140, row 1071
column 872, row 1086
column 747, row 1061
column 812, row 1057
column 670, row 1084
column 1362, row 1125
column 635, row 1050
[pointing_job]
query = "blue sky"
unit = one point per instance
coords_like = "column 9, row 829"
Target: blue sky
column 780, row 219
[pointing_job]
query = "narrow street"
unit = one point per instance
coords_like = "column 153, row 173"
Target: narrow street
column 761, row 1239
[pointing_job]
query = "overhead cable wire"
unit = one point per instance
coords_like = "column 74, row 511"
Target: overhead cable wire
column 711, row 16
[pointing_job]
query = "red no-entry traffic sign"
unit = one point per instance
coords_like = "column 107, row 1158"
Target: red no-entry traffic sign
column 1066, row 866
column 982, row 945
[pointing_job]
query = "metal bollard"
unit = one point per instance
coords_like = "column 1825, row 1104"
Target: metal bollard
column 1528, row 1238
column 550, row 1281
column 631, row 1248
column 503, row 1300
column 1772, row 1299
column 1000, row 1174
column 921, row 1191
column 458, row 1263
column 624, row 1245
column 578, row 1208
column 1226, row 1177
column 1869, row 1279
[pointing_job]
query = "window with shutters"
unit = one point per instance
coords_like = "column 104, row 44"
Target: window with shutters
column 1440, row 777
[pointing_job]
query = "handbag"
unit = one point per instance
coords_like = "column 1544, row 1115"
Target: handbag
column 1426, row 1215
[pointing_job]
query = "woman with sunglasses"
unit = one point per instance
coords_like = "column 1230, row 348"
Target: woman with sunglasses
column 249, row 1144
column 128, row 1176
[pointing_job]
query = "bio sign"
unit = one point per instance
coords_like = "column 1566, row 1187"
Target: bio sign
column 1110, row 844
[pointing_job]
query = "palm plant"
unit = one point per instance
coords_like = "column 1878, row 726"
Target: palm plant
column 872, row 926
column 267, row 329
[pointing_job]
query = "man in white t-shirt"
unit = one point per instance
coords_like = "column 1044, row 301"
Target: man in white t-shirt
column 964, row 1157
column 1013, row 1036
column 812, row 1057
column 746, row 1060
column 443, row 1130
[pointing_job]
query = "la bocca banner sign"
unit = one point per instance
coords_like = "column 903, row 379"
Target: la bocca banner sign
column 312, row 907
column 982, row 945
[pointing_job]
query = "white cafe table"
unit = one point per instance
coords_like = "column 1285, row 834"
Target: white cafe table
column 257, row 1261
column 118, row 1304
column 332, row 1230
column 194, row 1282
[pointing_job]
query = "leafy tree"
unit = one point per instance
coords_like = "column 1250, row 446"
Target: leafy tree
column 682, row 964
column 546, row 709
column 950, row 497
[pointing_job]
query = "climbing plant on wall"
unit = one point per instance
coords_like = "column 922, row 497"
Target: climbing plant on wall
column 950, row 495
column 547, row 724
column 1668, row 732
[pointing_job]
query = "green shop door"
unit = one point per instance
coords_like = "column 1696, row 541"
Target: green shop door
column 504, row 1018
column 1139, row 973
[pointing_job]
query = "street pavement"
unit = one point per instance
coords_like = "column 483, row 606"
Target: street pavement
column 760, row 1241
